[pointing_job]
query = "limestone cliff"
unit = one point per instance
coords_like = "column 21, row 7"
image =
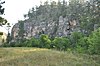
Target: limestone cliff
column 34, row 28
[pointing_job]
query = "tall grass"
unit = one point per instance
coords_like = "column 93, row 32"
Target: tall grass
column 45, row 57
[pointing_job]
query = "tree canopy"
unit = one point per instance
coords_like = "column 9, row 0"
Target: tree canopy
column 2, row 20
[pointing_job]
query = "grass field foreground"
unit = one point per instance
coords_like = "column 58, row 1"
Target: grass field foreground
column 45, row 57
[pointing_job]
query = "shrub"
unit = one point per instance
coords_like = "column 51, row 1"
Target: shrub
column 32, row 42
column 5, row 45
column 94, row 42
column 45, row 42
column 60, row 43
column 75, row 36
column 82, row 45
column 20, row 43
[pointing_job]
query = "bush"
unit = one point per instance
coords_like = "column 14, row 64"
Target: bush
column 20, row 43
column 82, row 45
column 45, row 42
column 5, row 45
column 94, row 42
column 75, row 36
column 32, row 42
column 60, row 43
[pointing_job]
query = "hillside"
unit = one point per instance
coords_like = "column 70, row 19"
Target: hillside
column 59, row 19
column 44, row 57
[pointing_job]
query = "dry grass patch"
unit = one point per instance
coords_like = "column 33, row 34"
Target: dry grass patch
column 44, row 57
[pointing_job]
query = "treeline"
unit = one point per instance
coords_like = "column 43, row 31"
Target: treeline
column 77, row 42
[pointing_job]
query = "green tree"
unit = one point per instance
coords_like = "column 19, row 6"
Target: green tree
column 75, row 36
column 94, row 42
column 45, row 42
column 2, row 20
column 33, row 42
column 82, row 45
column 61, row 43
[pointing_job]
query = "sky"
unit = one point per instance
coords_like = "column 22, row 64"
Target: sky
column 15, row 9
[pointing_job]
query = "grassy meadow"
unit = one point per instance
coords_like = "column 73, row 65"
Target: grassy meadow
column 0, row 40
column 45, row 57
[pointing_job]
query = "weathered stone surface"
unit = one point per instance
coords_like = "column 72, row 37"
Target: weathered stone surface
column 33, row 28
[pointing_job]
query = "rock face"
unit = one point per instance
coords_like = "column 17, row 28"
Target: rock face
column 35, row 28
column 15, row 30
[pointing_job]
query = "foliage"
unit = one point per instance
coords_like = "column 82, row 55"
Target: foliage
column 91, row 44
column 75, row 36
column 61, row 43
column 32, row 42
column 94, row 42
column 82, row 45
column 1, row 9
column 44, row 41
column 2, row 20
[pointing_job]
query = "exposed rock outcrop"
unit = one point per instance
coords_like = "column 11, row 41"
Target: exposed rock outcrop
column 35, row 28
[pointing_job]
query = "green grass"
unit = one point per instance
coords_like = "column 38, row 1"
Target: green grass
column 45, row 57
column 0, row 40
